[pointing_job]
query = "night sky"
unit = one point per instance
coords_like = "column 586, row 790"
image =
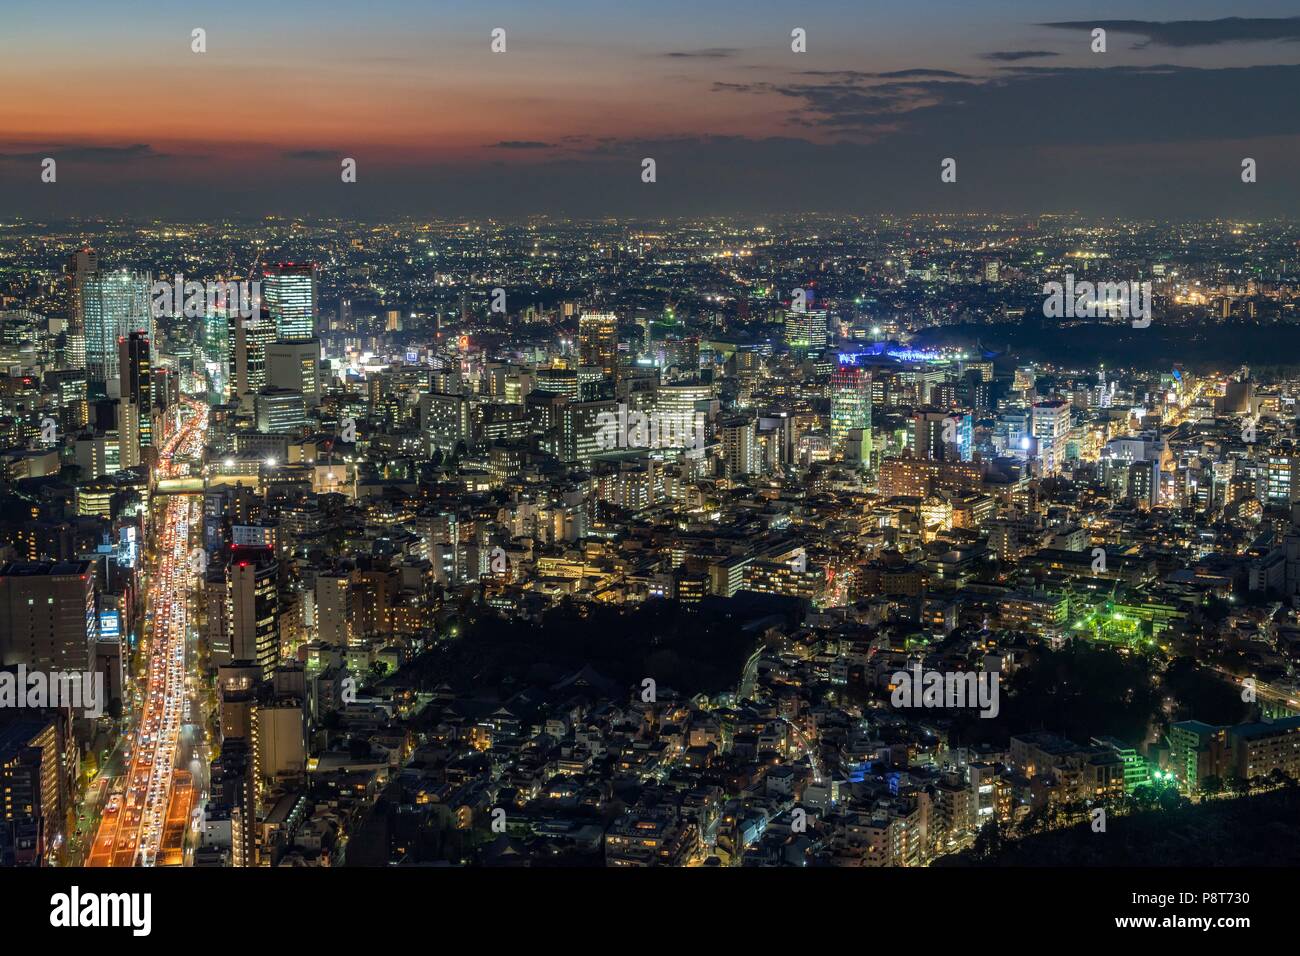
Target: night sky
column 737, row 123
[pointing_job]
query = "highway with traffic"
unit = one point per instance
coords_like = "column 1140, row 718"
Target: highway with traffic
column 142, row 806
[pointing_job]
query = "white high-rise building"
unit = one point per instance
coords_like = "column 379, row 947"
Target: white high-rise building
column 1050, row 424
column 740, row 451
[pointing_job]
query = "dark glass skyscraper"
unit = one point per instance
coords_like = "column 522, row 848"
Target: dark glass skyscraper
column 290, row 293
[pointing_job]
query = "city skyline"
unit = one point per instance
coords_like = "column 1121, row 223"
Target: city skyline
column 567, row 436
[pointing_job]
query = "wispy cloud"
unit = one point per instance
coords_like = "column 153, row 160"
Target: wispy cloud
column 521, row 144
column 88, row 154
column 1185, row 33
column 711, row 53
column 312, row 154
column 1014, row 56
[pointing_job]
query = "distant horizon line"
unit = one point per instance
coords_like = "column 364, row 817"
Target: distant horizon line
column 142, row 219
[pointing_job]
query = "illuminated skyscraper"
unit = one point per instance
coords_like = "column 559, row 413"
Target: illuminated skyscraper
column 252, row 603
column 1282, row 474
column 289, row 290
column 135, row 427
column 81, row 264
column 1051, row 424
column 598, row 341
column 850, row 407
column 248, row 340
column 807, row 330
column 580, row 430
column 113, row 305
column 218, row 358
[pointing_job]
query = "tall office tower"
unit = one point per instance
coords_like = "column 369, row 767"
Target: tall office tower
column 279, row 411
column 81, row 264
column 807, row 331
column 128, row 435
column 47, row 615
column 558, row 381
column 1050, row 423
column 598, row 341
column 74, row 409
column 296, row 366
column 580, row 431
column 248, row 340
column 217, row 356
column 1281, row 484
column 740, row 451
column 682, row 399
column 1142, row 483
column 113, row 305
column 289, row 290
column 781, row 424
column 216, row 631
column 926, row 436
column 253, row 606
column 334, row 608
column 135, row 423
column 446, row 420
column 850, row 407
